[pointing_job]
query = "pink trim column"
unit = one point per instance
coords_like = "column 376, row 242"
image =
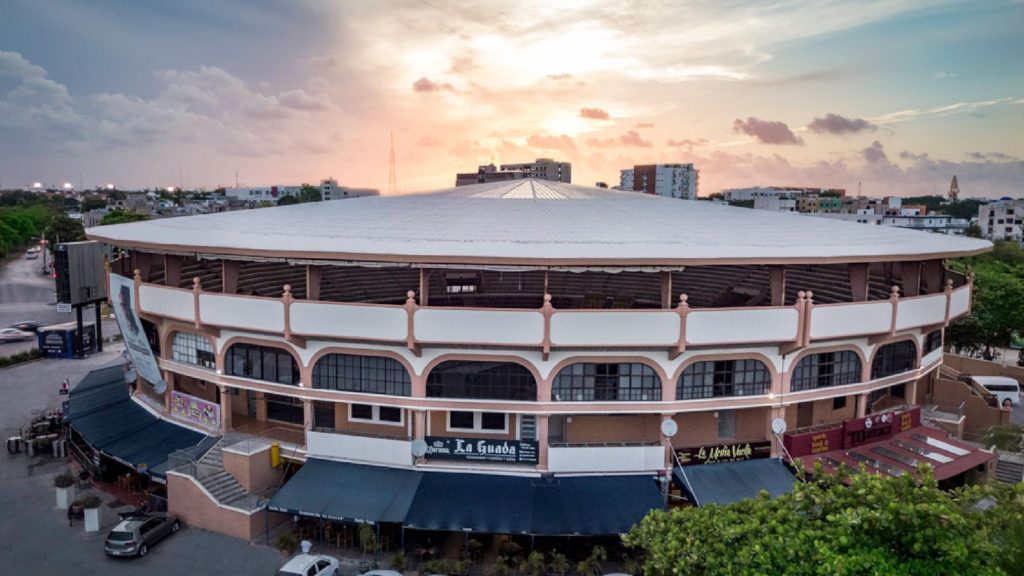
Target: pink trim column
column 808, row 307
column 307, row 414
column 313, row 274
column 169, row 380
column 666, row 442
column 547, row 310
column 858, row 281
column 197, row 288
column 862, row 405
column 777, row 276
column 287, row 299
column 410, row 309
column 542, row 441
column 172, row 270
column 773, row 413
column 683, row 309
column 949, row 298
column 229, row 276
column 225, row 409
column 138, row 283
column 894, row 298
column 419, row 424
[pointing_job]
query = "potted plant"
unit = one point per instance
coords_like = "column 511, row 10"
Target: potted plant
column 287, row 542
column 91, row 503
column 398, row 562
column 461, row 567
column 65, row 484
column 435, row 567
column 499, row 568
column 559, row 564
column 367, row 538
column 591, row 565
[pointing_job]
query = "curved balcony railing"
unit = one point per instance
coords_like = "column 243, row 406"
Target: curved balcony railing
column 547, row 327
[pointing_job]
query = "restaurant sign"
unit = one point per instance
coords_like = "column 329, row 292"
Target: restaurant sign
column 813, row 441
column 878, row 427
column 723, row 453
column 482, row 450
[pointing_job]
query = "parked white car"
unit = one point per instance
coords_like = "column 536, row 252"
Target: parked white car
column 310, row 565
column 14, row 335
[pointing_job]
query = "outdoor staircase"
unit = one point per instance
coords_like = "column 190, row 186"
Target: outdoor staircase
column 218, row 482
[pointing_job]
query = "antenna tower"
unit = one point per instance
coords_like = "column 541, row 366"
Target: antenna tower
column 954, row 190
column 392, row 180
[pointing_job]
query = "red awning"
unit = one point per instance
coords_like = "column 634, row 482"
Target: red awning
column 902, row 453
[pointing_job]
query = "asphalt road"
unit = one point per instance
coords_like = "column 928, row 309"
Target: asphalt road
column 25, row 294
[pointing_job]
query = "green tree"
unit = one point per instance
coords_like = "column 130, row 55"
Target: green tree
column 122, row 217
column 310, row 194
column 842, row 526
column 93, row 202
column 973, row 231
column 63, row 229
column 998, row 308
column 288, row 200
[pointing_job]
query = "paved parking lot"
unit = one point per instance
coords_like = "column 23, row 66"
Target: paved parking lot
column 35, row 538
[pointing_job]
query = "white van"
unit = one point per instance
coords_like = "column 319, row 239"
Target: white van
column 1006, row 390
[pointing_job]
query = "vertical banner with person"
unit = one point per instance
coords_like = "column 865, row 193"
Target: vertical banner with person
column 122, row 296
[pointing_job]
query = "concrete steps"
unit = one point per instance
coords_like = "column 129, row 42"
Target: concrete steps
column 217, row 481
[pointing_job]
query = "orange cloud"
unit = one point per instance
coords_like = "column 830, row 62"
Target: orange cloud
column 631, row 138
column 594, row 113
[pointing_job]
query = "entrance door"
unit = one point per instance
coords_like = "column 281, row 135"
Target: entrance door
column 804, row 414
column 556, row 430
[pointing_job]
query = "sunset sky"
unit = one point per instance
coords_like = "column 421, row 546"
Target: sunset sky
column 896, row 95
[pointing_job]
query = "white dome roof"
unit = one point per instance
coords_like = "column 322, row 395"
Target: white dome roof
column 534, row 223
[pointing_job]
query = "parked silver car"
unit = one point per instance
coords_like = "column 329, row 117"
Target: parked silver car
column 136, row 533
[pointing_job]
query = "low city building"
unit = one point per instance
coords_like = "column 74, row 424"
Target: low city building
column 552, row 367
column 669, row 180
column 1002, row 219
column 541, row 168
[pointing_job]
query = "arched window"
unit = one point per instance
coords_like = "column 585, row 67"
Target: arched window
column 894, row 358
column 262, row 363
column 193, row 349
column 481, row 380
column 826, row 369
column 586, row 382
column 365, row 374
column 932, row 342
column 711, row 379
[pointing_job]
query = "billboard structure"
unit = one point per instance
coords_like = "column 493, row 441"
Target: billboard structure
column 122, row 297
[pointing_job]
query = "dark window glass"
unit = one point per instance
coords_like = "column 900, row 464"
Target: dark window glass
column 839, row 402
column 894, row 358
column 389, row 414
column 481, row 380
column 711, row 379
column 323, row 415
column 362, row 411
column 460, row 420
column 262, row 363
column 826, row 369
column 898, row 391
column 727, row 424
column 192, row 349
column 285, row 409
column 492, row 421
column 365, row 374
column 586, row 382
column 932, row 342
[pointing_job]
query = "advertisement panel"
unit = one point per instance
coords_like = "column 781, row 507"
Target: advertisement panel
column 482, row 450
column 122, row 296
column 723, row 453
column 813, row 442
column 196, row 410
column 878, row 427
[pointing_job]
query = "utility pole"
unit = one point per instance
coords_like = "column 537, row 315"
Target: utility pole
column 392, row 180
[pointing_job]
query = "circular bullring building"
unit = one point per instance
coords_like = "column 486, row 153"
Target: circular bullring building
column 531, row 357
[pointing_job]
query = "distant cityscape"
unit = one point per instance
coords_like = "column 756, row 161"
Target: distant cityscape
column 1001, row 219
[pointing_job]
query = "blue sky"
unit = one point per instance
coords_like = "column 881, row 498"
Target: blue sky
column 894, row 96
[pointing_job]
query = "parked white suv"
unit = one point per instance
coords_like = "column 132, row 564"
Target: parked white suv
column 310, row 565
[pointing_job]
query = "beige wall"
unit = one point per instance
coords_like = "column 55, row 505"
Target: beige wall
column 977, row 367
column 186, row 500
column 252, row 471
column 613, row 428
column 980, row 416
column 197, row 388
column 342, row 424
column 439, row 426
column 823, row 412
column 699, row 428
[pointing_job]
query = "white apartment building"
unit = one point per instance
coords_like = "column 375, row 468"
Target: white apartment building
column 774, row 203
column 1002, row 219
column 330, row 190
column 261, row 193
column 542, row 168
column 670, row 180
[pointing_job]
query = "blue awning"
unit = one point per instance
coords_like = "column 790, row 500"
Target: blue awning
column 728, row 482
column 487, row 503
column 594, row 505
column 352, row 492
column 104, row 415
